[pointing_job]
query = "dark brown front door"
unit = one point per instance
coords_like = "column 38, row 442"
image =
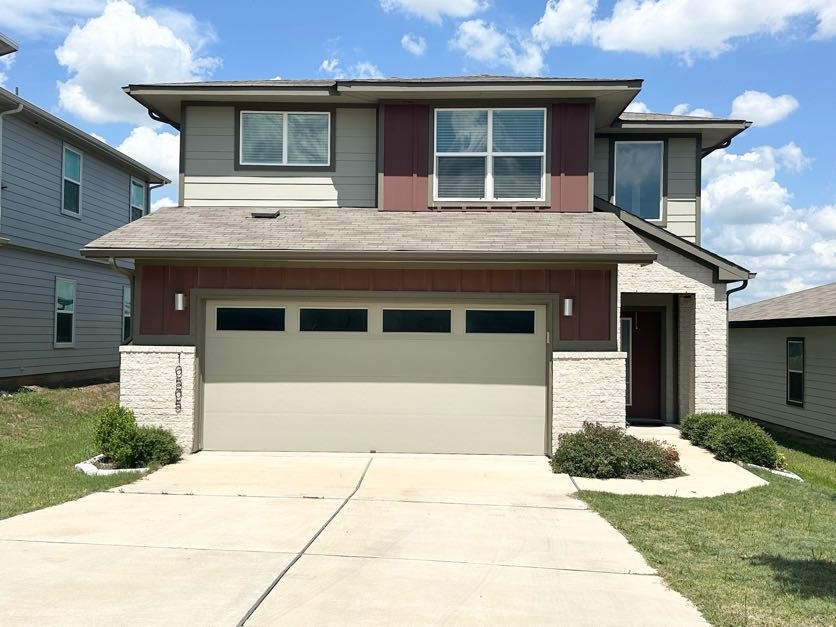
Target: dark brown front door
column 644, row 399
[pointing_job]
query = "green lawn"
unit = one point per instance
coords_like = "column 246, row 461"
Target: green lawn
column 42, row 434
column 766, row 556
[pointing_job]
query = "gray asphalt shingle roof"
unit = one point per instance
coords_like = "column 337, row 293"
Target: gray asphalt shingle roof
column 815, row 302
column 632, row 116
column 226, row 231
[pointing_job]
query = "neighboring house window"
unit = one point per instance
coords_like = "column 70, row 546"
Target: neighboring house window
column 638, row 178
column 126, row 312
column 627, row 347
column 490, row 154
column 285, row 138
column 64, row 312
column 139, row 199
column 71, row 191
column 795, row 371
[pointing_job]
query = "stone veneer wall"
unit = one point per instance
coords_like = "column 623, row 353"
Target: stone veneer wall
column 149, row 384
column 703, row 323
column 587, row 387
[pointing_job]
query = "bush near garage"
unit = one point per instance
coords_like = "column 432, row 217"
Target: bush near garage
column 732, row 439
column 127, row 445
column 603, row 452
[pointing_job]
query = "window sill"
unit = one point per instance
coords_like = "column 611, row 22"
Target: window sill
column 796, row 404
column 457, row 204
column 63, row 345
column 70, row 214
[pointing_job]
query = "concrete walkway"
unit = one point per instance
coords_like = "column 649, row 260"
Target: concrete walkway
column 704, row 474
column 331, row 539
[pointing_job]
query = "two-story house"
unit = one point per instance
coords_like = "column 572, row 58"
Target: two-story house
column 466, row 264
column 62, row 316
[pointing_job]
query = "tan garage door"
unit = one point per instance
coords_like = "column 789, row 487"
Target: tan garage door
column 356, row 376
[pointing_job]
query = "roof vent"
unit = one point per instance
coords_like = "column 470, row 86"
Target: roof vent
column 266, row 214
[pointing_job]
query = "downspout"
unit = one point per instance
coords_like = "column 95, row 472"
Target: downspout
column 3, row 114
column 739, row 288
column 130, row 274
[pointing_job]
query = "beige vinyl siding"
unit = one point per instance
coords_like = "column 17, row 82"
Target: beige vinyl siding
column 757, row 377
column 683, row 187
column 601, row 165
column 210, row 177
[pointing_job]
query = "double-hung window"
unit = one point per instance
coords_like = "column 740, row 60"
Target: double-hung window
column 795, row 371
column 490, row 155
column 285, row 138
column 126, row 313
column 638, row 177
column 71, row 190
column 139, row 199
column 64, row 312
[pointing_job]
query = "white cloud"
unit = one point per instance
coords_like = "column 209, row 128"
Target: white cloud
column 685, row 109
column 749, row 217
column 159, row 150
column 685, row 27
column 120, row 47
column 435, row 10
column 38, row 17
column 6, row 63
column 481, row 41
column 761, row 108
column 329, row 65
column 637, row 106
column 165, row 201
column 277, row 77
column 414, row 44
column 361, row 69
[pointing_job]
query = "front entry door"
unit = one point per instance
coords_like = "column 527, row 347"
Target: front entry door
column 644, row 363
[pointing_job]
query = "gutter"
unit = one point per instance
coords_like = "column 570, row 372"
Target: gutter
column 14, row 111
column 739, row 288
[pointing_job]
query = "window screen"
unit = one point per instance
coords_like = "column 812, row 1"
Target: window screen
column 279, row 138
column 795, row 371
column 71, row 192
column 638, row 178
column 64, row 311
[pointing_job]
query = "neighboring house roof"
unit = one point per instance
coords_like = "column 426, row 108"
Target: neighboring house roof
column 714, row 132
column 815, row 306
column 725, row 271
column 369, row 234
column 611, row 95
column 77, row 137
column 7, row 45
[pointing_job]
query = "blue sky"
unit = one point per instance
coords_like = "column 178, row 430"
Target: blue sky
column 769, row 200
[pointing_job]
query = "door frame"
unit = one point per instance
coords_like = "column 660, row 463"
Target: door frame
column 663, row 358
column 550, row 300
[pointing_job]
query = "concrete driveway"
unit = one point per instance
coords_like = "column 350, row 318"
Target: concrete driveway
column 331, row 539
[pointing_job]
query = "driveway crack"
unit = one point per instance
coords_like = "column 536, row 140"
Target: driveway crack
column 299, row 555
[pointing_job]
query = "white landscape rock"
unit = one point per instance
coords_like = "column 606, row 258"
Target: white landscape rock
column 88, row 467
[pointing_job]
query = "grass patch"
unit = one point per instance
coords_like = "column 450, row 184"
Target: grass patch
column 766, row 556
column 42, row 434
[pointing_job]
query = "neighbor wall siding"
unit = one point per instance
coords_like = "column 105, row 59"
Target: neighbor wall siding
column 757, row 377
column 601, row 164
column 32, row 181
column 27, row 306
column 210, row 177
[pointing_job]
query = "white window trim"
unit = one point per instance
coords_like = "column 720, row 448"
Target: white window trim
column 661, row 143
column 284, row 162
column 55, row 342
column 489, row 156
column 126, row 289
column 793, row 402
column 629, row 360
column 131, row 205
column 64, row 148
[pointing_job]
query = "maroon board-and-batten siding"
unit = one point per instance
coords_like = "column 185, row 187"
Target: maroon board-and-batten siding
column 407, row 156
column 590, row 288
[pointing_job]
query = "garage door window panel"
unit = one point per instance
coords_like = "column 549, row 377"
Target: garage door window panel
column 417, row 321
column 250, row 319
column 516, row 321
column 334, row 320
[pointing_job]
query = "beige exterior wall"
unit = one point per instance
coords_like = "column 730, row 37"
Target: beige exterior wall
column 210, row 177
column 148, row 386
column 703, row 329
column 587, row 387
column 683, row 185
column 757, row 377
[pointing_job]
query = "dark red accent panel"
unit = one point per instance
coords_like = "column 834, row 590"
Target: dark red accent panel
column 406, row 156
column 590, row 289
column 570, row 157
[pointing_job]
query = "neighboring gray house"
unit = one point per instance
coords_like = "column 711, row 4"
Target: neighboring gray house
column 62, row 317
column 782, row 361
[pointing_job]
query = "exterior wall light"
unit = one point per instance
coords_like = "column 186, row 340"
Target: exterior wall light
column 179, row 301
column 568, row 307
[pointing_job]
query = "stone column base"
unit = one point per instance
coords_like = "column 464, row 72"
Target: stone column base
column 159, row 384
column 587, row 387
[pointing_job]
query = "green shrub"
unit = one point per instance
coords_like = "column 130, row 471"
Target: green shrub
column 736, row 440
column 154, row 446
column 128, row 446
column 696, row 427
column 608, row 453
column 116, row 434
